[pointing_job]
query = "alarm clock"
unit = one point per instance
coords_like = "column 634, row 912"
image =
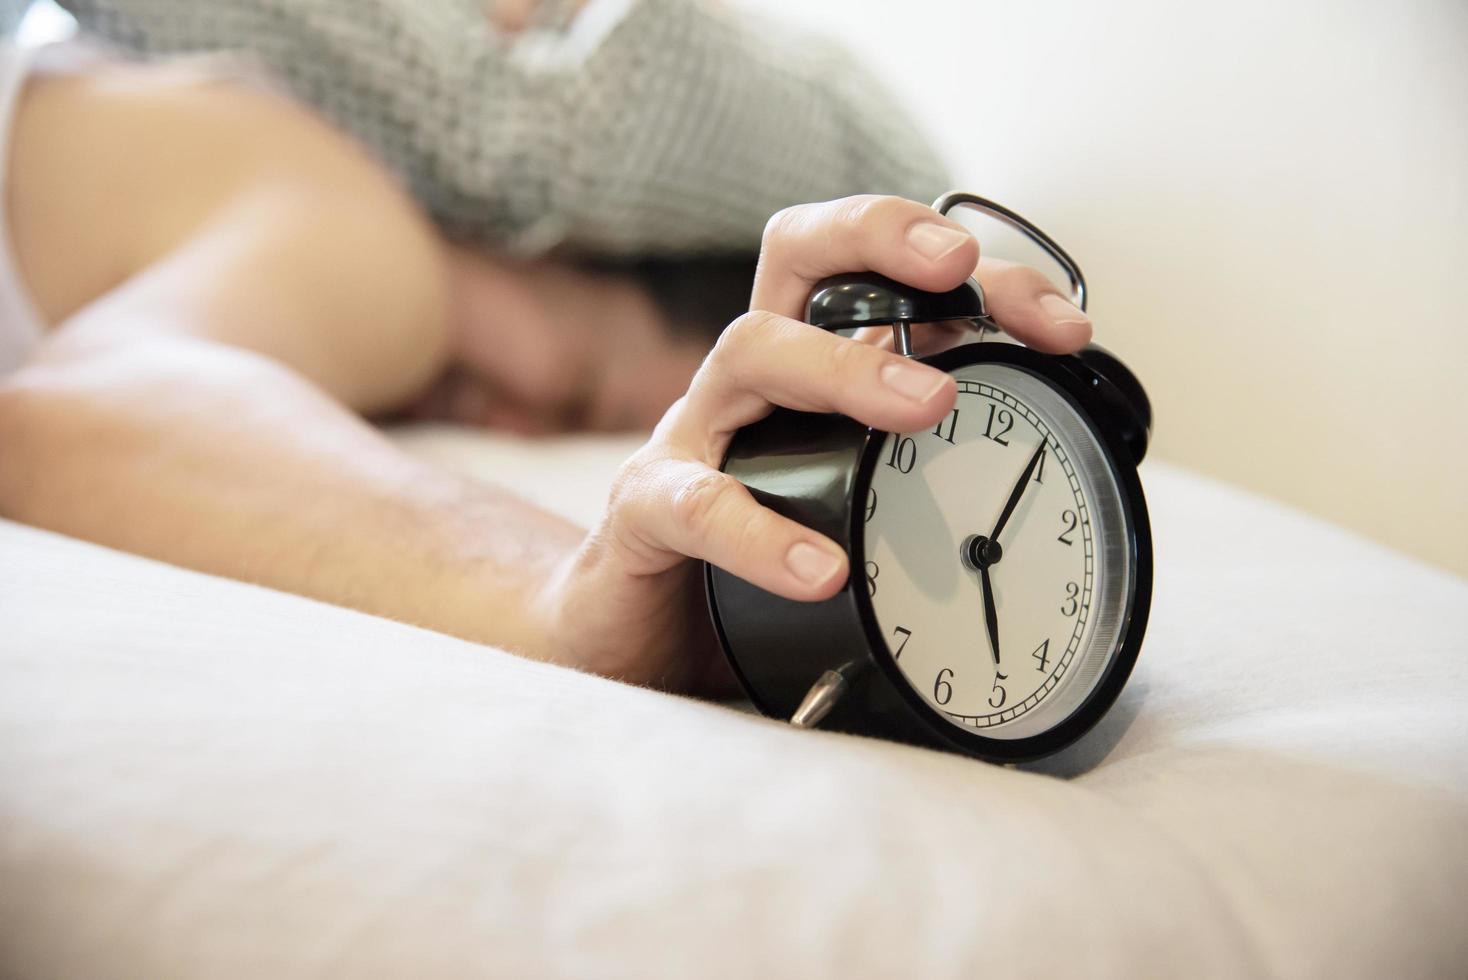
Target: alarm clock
column 1001, row 561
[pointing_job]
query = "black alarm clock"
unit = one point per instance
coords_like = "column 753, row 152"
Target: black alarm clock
column 1001, row 560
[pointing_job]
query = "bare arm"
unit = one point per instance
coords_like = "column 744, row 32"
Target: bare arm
column 218, row 459
column 199, row 411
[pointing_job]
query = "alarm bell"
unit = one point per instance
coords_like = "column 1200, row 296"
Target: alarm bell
column 861, row 299
column 867, row 299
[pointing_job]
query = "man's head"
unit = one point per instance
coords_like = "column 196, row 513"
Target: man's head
column 544, row 347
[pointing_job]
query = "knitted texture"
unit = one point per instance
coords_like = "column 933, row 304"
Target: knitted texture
column 649, row 127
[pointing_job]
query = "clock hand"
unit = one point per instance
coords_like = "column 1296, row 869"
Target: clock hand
column 991, row 619
column 988, row 552
column 981, row 552
column 1018, row 491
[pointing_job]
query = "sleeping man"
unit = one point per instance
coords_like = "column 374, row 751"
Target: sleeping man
column 211, row 289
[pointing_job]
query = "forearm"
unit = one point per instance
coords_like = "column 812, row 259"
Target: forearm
column 216, row 459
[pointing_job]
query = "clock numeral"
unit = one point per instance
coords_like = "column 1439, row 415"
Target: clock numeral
column 1040, row 469
column 872, row 572
column 1042, row 654
column 871, row 503
column 1005, row 418
column 942, row 690
column 906, row 635
column 904, row 454
column 998, row 691
column 1071, row 602
column 1069, row 519
column 952, row 424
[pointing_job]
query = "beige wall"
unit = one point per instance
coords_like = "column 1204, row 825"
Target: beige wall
column 1270, row 199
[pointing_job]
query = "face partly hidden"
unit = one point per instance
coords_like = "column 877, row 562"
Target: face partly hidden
column 546, row 347
column 551, row 347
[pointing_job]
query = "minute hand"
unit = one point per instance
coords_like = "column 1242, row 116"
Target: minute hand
column 1018, row 491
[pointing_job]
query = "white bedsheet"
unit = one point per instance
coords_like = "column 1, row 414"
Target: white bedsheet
column 200, row 778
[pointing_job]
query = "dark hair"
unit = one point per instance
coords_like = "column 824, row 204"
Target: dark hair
column 698, row 295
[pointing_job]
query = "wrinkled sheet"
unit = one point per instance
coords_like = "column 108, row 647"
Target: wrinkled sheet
column 200, row 778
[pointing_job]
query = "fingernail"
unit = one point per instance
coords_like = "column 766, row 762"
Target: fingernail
column 811, row 564
column 913, row 380
column 933, row 241
column 1061, row 310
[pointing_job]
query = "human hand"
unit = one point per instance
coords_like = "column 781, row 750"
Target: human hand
column 629, row 602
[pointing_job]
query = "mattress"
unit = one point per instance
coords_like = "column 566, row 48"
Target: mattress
column 202, row 778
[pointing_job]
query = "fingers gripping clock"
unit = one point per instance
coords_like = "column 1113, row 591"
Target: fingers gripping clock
column 1005, row 553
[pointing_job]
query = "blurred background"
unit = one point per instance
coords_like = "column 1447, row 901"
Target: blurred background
column 1270, row 201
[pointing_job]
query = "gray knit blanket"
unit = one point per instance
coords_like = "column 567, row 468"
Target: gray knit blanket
column 635, row 127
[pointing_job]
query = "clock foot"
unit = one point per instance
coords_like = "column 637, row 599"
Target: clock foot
column 819, row 700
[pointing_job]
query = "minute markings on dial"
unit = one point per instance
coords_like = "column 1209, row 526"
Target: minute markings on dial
column 964, row 696
column 1033, row 470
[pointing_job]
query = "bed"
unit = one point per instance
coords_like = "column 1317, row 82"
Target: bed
column 201, row 778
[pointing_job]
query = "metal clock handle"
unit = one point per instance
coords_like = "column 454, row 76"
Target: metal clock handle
column 955, row 199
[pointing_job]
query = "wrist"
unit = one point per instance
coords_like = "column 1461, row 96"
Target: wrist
column 548, row 610
column 567, row 612
column 494, row 562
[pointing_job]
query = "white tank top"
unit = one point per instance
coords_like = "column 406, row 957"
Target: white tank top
column 20, row 322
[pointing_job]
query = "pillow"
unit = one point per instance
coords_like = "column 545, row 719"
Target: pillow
column 640, row 127
column 204, row 778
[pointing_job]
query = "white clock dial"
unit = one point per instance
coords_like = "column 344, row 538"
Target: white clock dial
column 1058, row 579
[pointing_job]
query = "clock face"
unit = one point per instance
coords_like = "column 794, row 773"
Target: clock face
column 1002, row 634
